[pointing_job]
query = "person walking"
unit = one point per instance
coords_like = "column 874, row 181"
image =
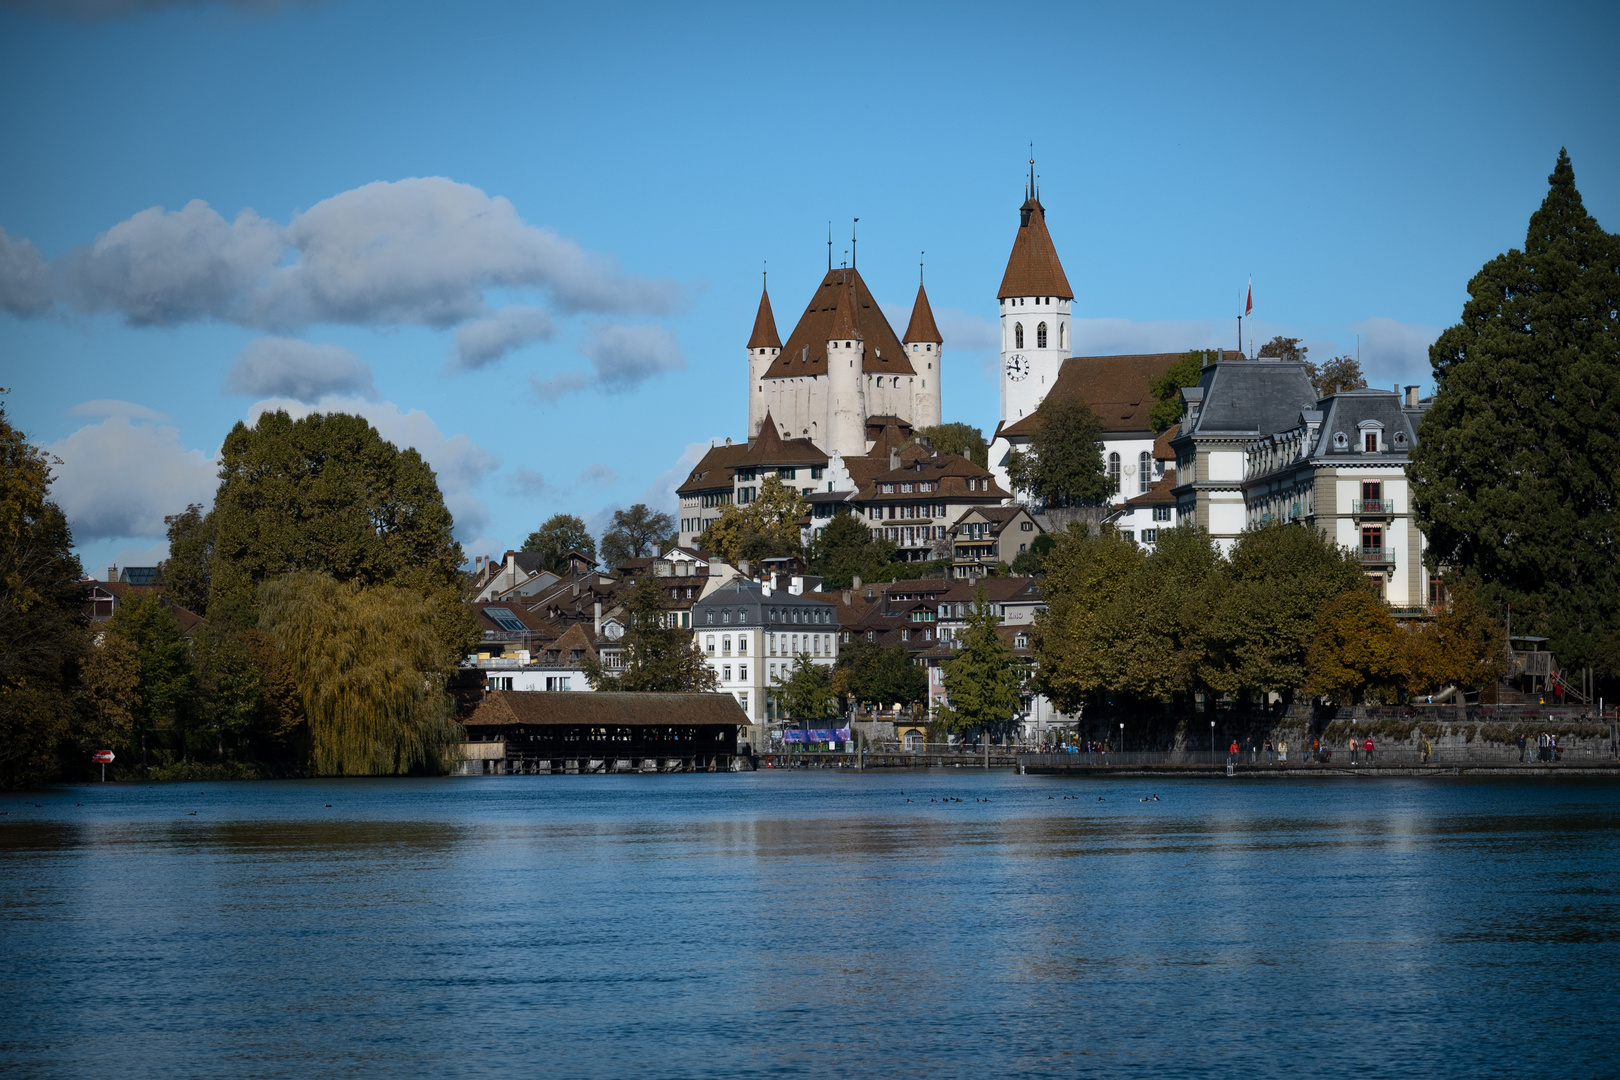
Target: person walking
column 1316, row 748
column 1521, row 747
column 1353, row 748
column 1271, row 753
column 1282, row 751
column 1369, row 748
column 1425, row 745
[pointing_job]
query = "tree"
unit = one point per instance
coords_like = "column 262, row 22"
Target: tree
column 984, row 677
column 166, row 693
column 1357, row 655
column 635, row 533
column 1085, row 575
column 659, row 657
column 111, row 684
column 42, row 635
column 1462, row 646
column 767, row 528
column 1514, row 476
column 1166, row 389
column 846, row 548
column 1064, row 464
column 805, row 690
column 957, row 438
column 1284, row 348
column 560, row 534
column 370, row 671
column 1339, row 373
column 1032, row 561
column 871, row 674
column 1153, row 637
column 1278, row 578
column 191, row 549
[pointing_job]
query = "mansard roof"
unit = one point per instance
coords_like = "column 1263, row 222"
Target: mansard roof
column 921, row 327
column 764, row 335
column 1251, row 397
column 805, row 352
column 1033, row 268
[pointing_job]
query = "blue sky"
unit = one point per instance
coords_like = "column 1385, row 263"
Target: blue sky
column 527, row 238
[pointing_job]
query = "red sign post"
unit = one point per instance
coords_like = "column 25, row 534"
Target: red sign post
column 104, row 758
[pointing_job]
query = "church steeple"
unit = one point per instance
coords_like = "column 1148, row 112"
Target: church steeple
column 1033, row 268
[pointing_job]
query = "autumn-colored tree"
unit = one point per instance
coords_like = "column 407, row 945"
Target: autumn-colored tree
column 1358, row 653
column 370, row 671
column 1463, row 645
column 766, row 528
column 983, row 679
column 871, row 674
column 1085, row 575
column 111, row 688
column 1338, row 373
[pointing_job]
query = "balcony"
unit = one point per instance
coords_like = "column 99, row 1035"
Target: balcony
column 1370, row 507
column 1377, row 555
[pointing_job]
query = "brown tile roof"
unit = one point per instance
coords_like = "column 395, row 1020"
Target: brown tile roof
column 921, row 327
column 997, row 590
column 605, row 708
column 769, row 448
column 1033, row 268
column 1159, row 493
column 764, row 335
column 1116, row 388
column 714, row 471
column 805, row 352
column 1161, row 445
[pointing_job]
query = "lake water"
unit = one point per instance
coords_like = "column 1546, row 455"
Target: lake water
column 811, row 924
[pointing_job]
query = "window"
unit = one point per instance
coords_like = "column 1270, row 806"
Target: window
column 1113, row 471
column 742, row 644
column 1040, row 336
column 788, row 473
column 1061, row 329
column 1129, row 534
column 742, row 672
column 1437, row 592
column 742, row 699
column 1026, row 526
column 686, row 620
column 725, row 616
column 708, row 645
column 815, row 472
column 1161, row 513
column 1372, row 495
column 709, row 617
column 846, row 637
column 1372, row 542
column 1144, row 472
column 1370, row 442
column 1018, row 335
column 725, row 645
column 1021, row 641
column 1150, row 536
column 725, row 672
column 1378, row 584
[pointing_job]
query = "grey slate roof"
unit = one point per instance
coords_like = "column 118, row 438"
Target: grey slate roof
column 1257, row 397
column 740, row 602
column 1344, row 412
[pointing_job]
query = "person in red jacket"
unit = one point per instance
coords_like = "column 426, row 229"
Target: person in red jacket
column 1233, row 749
column 1368, row 746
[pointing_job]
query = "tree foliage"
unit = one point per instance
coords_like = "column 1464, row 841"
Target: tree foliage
column 983, row 679
column 1358, row 653
column 327, row 494
column 556, row 537
column 636, row 533
column 957, row 438
column 1086, row 575
column 846, row 549
column 370, row 672
column 1166, row 389
column 659, row 657
column 111, row 689
column 766, row 528
column 1063, row 465
column 1515, row 475
column 805, row 691
column 871, row 674
column 1464, row 645
column 186, row 572
column 1338, row 373
column 42, row 634
column 1285, row 348
column 167, row 687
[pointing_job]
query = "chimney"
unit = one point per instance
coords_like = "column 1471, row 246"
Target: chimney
column 856, row 584
column 894, row 457
column 742, row 567
column 846, row 597
column 112, row 573
column 796, row 585
column 599, row 618
column 1412, row 397
column 511, row 570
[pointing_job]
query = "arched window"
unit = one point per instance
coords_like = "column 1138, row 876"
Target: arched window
column 1062, row 327
column 1040, row 336
column 1018, row 335
column 1145, row 471
column 1113, row 471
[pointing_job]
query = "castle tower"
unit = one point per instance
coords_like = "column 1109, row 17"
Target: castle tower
column 846, row 368
column 1035, row 301
column 763, row 348
column 924, row 348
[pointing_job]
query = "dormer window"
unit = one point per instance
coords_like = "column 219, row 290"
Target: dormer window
column 1400, row 440
column 1369, row 441
column 1341, row 441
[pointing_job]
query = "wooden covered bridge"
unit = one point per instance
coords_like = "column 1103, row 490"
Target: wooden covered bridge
column 585, row 732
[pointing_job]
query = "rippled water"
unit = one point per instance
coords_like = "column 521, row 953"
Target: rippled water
column 793, row 924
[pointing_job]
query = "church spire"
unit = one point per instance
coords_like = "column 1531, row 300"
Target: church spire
column 764, row 335
column 1033, row 268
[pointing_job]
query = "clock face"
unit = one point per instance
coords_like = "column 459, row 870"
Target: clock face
column 1017, row 367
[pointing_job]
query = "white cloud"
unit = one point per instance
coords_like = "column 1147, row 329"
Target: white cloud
column 1395, row 350
column 625, row 355
column 303, row 370
column 119, row 479
column 528, row 483
column 549, row 390
column 1110, row 337
column 484, row 341
column 25, row 278
column 419, row 251
column 459, row 463
column 598, row 476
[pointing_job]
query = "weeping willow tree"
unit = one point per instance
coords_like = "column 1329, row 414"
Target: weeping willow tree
column 369, row 667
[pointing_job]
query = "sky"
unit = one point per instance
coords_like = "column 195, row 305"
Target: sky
column 527, row 239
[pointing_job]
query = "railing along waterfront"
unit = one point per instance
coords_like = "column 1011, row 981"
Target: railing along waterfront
column 1401, row 757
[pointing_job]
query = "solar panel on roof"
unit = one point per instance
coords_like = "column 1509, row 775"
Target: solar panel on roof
column 504, row 618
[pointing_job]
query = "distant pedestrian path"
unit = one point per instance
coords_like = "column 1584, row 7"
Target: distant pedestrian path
column 1395, row 761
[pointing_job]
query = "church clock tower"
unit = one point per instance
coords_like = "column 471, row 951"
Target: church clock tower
column 1035, row 300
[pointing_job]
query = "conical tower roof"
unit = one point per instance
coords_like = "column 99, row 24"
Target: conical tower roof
column 844, row 324
column 921, row 327
column 1033, row 269
column 764, row 335
column 805, row 352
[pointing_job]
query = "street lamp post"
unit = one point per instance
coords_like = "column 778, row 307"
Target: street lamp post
column 1122, row 736
column 1212, row 739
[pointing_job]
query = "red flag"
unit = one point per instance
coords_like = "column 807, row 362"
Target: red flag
column 1248, row 304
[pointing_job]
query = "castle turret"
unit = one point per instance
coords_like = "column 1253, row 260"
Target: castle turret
column 924, row 348
column 846, row 366
column 763, row 348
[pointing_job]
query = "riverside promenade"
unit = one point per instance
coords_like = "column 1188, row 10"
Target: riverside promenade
column 1396, row 761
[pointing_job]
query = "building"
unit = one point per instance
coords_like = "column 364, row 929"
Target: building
column 1342, row 468
column 841, row 366
column 918, row 499
column 987, row 535
column 606, row 732
column 752, row 632
column 1235, row 403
